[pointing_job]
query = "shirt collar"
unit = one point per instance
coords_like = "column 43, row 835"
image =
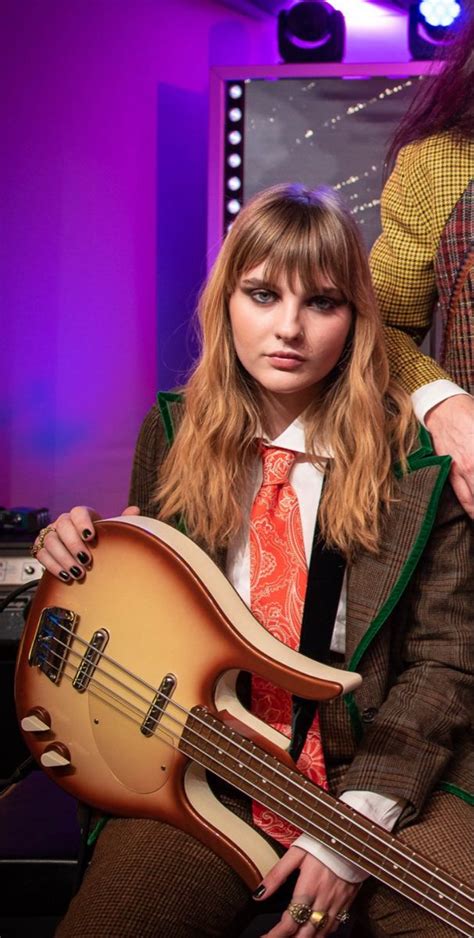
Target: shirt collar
column 293, row 437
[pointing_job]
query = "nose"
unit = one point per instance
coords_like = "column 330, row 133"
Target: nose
column 288, row 325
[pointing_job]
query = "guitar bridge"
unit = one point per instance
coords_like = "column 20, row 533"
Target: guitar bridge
column 52, row 640
column 159, row 705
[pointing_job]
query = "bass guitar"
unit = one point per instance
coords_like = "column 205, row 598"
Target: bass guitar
column 125, row 693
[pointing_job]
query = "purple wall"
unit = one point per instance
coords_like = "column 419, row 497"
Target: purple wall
column 103, row 195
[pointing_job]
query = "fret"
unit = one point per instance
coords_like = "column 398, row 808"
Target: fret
column 281, row 789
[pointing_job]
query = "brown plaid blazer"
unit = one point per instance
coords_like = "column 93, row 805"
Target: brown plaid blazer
column 405, row 731
column 429, row 178
column 410, row 612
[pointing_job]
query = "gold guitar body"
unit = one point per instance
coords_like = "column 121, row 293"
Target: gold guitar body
column 104, row 686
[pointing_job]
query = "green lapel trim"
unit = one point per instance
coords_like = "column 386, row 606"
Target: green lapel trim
column 444, row 463
column 418, row 455
column 423, row 456
column 96, row 830
column 164, row 399
column 458, row 792
column 354, row 715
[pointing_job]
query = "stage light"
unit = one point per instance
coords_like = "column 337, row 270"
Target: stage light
column 233, row 206
column 311, row 32
column 233, row 155
column 431, row 27
column 235, row 114
column 440, row 12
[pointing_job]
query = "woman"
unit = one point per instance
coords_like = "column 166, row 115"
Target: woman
column 293, row 371
column 423, row 262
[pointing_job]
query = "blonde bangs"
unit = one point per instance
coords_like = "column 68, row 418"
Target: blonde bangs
column 296, row 243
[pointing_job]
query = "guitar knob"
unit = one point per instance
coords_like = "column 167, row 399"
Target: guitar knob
column 37, row 720
column 56, row 756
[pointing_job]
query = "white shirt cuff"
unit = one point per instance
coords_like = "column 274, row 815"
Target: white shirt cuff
column 381, row 809
column 426, row 397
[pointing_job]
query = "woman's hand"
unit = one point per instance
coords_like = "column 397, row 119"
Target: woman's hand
column 64, row 551
column 317, row 887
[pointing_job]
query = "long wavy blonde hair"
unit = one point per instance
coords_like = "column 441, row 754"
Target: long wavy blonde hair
column 358, row 413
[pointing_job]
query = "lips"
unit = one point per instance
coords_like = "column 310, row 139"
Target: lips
column 286, row 361
column 291, row 356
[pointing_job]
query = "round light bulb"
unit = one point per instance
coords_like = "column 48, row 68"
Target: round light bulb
column 233, row 206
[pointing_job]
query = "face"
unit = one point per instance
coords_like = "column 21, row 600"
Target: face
column 288, row 342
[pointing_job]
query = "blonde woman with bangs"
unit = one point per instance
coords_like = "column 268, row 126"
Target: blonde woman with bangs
column 293, row 369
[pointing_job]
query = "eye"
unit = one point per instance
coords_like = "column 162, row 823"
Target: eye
column 262, row 297
column 325, row 302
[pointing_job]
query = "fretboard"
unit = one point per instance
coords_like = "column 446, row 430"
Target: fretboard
column 232, row 757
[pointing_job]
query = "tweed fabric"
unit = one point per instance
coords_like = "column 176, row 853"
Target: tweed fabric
column 150, row 880
column 454, row 268
column 446, row 826
column 429, row 178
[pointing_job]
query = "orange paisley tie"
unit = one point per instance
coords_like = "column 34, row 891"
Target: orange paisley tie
column 278, row 578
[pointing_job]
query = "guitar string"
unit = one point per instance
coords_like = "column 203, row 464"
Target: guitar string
column 404, row 852
column 444, row 915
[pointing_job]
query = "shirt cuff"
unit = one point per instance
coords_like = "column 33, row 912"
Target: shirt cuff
column 426, row 397
column 381, row 809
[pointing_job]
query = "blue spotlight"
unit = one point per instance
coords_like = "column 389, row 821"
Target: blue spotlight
column 431, row 27
column 440, row 12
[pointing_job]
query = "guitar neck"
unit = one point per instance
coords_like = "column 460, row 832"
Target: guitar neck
column 237, row 760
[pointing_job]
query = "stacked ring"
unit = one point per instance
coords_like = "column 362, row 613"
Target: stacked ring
column 318, row 919
column 39, row 542
column 300, row 912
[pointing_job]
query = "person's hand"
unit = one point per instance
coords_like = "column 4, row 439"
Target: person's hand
column 62, row 546
column 317, row 887
column 451, row 424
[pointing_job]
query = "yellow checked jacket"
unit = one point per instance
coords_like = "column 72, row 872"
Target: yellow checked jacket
column 409, row 632
column 431, row 179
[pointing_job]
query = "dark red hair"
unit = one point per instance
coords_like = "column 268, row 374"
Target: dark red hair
column 444, row 102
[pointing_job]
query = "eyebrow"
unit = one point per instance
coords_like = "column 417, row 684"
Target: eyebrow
column 255, row 283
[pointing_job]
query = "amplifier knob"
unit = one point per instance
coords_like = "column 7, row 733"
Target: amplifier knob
column 56, row 757
column 36, row 721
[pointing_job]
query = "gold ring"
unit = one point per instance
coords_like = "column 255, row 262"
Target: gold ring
column 39, row 542
column 300, row 912
column 343, row 916
column 318, row 919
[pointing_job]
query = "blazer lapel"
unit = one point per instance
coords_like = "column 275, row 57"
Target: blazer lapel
column 376, row 582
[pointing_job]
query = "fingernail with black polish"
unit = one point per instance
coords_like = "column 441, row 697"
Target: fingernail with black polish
column 75, row 571
column 83, row 557
column 86, row 533
column 64, row 576
column 258, row 892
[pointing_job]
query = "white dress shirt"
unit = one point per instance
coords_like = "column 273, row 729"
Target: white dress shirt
column 307, row 481
column 429, row 395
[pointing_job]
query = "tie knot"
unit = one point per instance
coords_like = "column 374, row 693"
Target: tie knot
column 277, row 464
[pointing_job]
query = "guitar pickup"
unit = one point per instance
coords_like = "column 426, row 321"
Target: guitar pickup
column 54, row 634
column 86, row 669
column 158, row 707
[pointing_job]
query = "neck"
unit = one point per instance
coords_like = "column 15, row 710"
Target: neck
column 279, row 412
